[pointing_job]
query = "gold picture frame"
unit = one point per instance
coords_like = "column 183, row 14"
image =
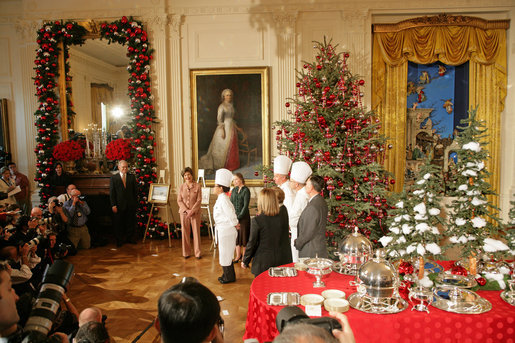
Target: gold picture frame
column 159, row 193
column 232, row 134
column 4, row 127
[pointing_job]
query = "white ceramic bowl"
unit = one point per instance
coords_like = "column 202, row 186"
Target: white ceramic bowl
column 311, row 299
column 333, row 293
column 336, row 305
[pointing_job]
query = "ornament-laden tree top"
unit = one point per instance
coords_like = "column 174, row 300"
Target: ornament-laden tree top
column 473, row 225
column 333, row 132
column 413, row 227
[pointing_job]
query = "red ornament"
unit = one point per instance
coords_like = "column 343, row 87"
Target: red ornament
column 459, row 270
column 405, row 268
column 256, row 173
column 481, row 281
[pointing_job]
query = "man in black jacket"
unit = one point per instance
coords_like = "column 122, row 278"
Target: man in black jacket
column 123, row 195
column 313, row 220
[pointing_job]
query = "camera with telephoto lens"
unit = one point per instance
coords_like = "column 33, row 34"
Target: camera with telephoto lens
column 82, row 197
column 35, row 241
column 44, row 311
column 293, row 314
column 57, row 203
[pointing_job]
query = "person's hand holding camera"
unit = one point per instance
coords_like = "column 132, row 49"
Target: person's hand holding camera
column 345, row 335
column 33, row 223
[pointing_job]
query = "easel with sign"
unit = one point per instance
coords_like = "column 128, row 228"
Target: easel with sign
column 206, row 191
column 158, row 197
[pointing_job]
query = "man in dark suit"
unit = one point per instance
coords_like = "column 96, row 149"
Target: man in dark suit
column 311, row 237
column 123, row 195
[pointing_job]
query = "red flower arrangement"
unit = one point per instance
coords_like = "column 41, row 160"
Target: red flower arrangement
column 68, row 151
column 119, row 149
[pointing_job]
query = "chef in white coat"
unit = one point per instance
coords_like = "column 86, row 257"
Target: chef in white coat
column 225, row 224
column 282, row 166
column 300, row 172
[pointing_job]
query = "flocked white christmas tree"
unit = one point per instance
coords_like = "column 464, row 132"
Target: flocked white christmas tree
column 413, row 227
column 473, row 225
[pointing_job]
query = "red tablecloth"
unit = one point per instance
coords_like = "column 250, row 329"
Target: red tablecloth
column 497, row 325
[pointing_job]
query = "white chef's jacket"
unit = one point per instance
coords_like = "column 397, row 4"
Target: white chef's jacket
column 225, row 224
column 300, row 203
column 289, row 195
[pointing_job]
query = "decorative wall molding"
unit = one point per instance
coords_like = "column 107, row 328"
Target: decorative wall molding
column 285, row 22
column 443, row 19
column 175, row 22
column 27, row 29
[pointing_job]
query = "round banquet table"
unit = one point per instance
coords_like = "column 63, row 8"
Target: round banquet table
column 497, row 325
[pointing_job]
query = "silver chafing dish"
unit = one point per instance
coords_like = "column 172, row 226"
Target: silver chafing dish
column 377, row 284
column 379, row 277
column 354, row 250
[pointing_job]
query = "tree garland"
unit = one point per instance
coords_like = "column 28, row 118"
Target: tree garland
column 47, row 114
column 126, row 32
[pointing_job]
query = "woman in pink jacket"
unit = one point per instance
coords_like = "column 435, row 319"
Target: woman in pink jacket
column 189, row 197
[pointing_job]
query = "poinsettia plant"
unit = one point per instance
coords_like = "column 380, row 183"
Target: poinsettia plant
column 119, row 149
column 68, row 151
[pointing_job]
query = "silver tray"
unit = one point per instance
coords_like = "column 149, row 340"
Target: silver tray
column 282, row 271
column 283, row 298
column 468, row 302
column 506, row 297
column 377, row 305
column 460, row 281
column 344, row 268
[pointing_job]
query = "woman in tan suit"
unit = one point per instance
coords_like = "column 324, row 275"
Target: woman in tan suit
column 189, row 197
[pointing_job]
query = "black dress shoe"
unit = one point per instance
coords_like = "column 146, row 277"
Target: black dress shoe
column 236, row 261
column 199, row 257
column 186, row 257
column 224, row 281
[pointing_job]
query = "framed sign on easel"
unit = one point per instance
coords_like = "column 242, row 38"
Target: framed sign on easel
column 158, row 195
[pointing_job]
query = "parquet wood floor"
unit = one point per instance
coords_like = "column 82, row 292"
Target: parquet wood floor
column 125, row 283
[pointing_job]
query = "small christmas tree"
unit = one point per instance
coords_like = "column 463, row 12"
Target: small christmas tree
column 332, row 131
column 473, row 223
column 414, row 223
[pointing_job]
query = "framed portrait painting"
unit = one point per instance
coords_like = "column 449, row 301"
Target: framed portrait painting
column 230, row 121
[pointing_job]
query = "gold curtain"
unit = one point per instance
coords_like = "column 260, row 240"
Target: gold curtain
column 451, row 40
column 100, row 93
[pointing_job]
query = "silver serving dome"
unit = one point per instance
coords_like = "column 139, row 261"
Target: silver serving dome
column 379, row 277
column 355, row 250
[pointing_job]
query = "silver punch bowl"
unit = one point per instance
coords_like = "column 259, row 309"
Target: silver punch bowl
column 379, row 277
column 354, row 250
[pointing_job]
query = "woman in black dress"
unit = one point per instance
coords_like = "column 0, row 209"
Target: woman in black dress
column 269, row 243
column 59, row 180
column 240, row 198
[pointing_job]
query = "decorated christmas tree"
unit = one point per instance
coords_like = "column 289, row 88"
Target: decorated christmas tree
column 413, row 224
column 332, row 131
column 473, row 224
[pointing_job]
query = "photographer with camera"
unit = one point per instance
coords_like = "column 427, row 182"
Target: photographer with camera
column 36, row 329
column 59, row 221
column 77, row 210
column 296, row 327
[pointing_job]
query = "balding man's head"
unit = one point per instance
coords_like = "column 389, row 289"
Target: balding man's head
column 36, row 213
column 90, row 314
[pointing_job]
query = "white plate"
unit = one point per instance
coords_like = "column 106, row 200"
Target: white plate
column 336, row 305
column 333, row 293
column 311, row 299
